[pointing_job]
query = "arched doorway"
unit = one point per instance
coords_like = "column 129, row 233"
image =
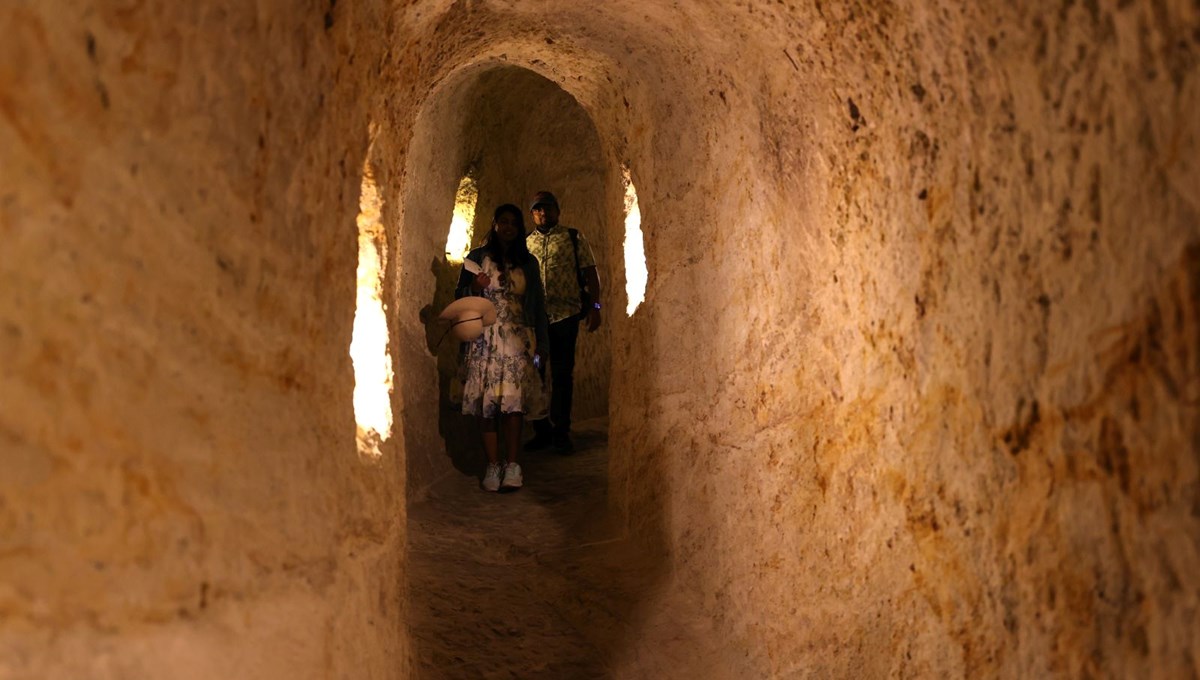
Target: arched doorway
column 512, row 132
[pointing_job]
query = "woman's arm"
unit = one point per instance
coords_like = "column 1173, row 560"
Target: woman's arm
column 469, row 283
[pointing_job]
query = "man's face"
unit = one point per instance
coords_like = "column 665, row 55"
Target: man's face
column 545, row 215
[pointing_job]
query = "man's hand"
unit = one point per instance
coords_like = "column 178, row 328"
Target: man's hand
column 593, row 320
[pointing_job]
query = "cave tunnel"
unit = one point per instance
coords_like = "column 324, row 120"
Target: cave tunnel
column 912, row 391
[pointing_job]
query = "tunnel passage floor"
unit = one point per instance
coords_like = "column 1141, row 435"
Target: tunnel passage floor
column 538, row 584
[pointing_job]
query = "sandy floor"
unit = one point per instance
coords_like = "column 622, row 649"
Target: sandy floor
column 537, row 584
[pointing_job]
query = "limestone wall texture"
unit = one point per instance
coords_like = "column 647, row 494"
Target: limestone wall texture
column 939, row 422
column 913, row 391
column 180, row 492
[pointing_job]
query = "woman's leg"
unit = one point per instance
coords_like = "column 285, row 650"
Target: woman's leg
column 512, row 434
column 487, row 428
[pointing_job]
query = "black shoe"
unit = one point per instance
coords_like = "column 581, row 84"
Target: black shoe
column 541, row 440
column 563, row 443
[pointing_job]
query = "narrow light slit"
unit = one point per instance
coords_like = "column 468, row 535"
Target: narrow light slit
column 369, row 342
column 635, row 249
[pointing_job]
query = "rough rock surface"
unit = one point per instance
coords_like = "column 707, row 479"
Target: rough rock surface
column 914, row 389
column 181, row 494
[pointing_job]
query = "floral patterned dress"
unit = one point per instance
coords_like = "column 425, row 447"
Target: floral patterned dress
column 497, row 373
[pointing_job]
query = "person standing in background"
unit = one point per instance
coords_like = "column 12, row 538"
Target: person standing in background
column 572, row 287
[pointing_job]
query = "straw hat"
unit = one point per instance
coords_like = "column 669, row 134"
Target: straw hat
column 467, row 317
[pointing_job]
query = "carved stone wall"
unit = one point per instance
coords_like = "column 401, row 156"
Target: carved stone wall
column 913, row 391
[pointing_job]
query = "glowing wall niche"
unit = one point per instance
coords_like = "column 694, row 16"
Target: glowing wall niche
column 635, row 248
column 369, row 343
column 458, row 240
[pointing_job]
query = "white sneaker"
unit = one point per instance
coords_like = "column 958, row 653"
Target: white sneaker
column 512, row 476
column 491, row 480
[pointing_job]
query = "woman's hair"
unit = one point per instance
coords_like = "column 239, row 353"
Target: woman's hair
column 517, row 252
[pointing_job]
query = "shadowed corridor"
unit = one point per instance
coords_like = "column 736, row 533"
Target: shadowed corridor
column 913, row 390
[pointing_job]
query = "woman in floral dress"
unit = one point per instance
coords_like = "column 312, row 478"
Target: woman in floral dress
column 499, row 374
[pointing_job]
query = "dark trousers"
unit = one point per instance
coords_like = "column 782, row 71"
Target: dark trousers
column 563, row 335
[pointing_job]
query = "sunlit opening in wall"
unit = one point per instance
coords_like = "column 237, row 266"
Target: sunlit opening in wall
column 369, row 344
column 635, row 248
column 458, row 241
